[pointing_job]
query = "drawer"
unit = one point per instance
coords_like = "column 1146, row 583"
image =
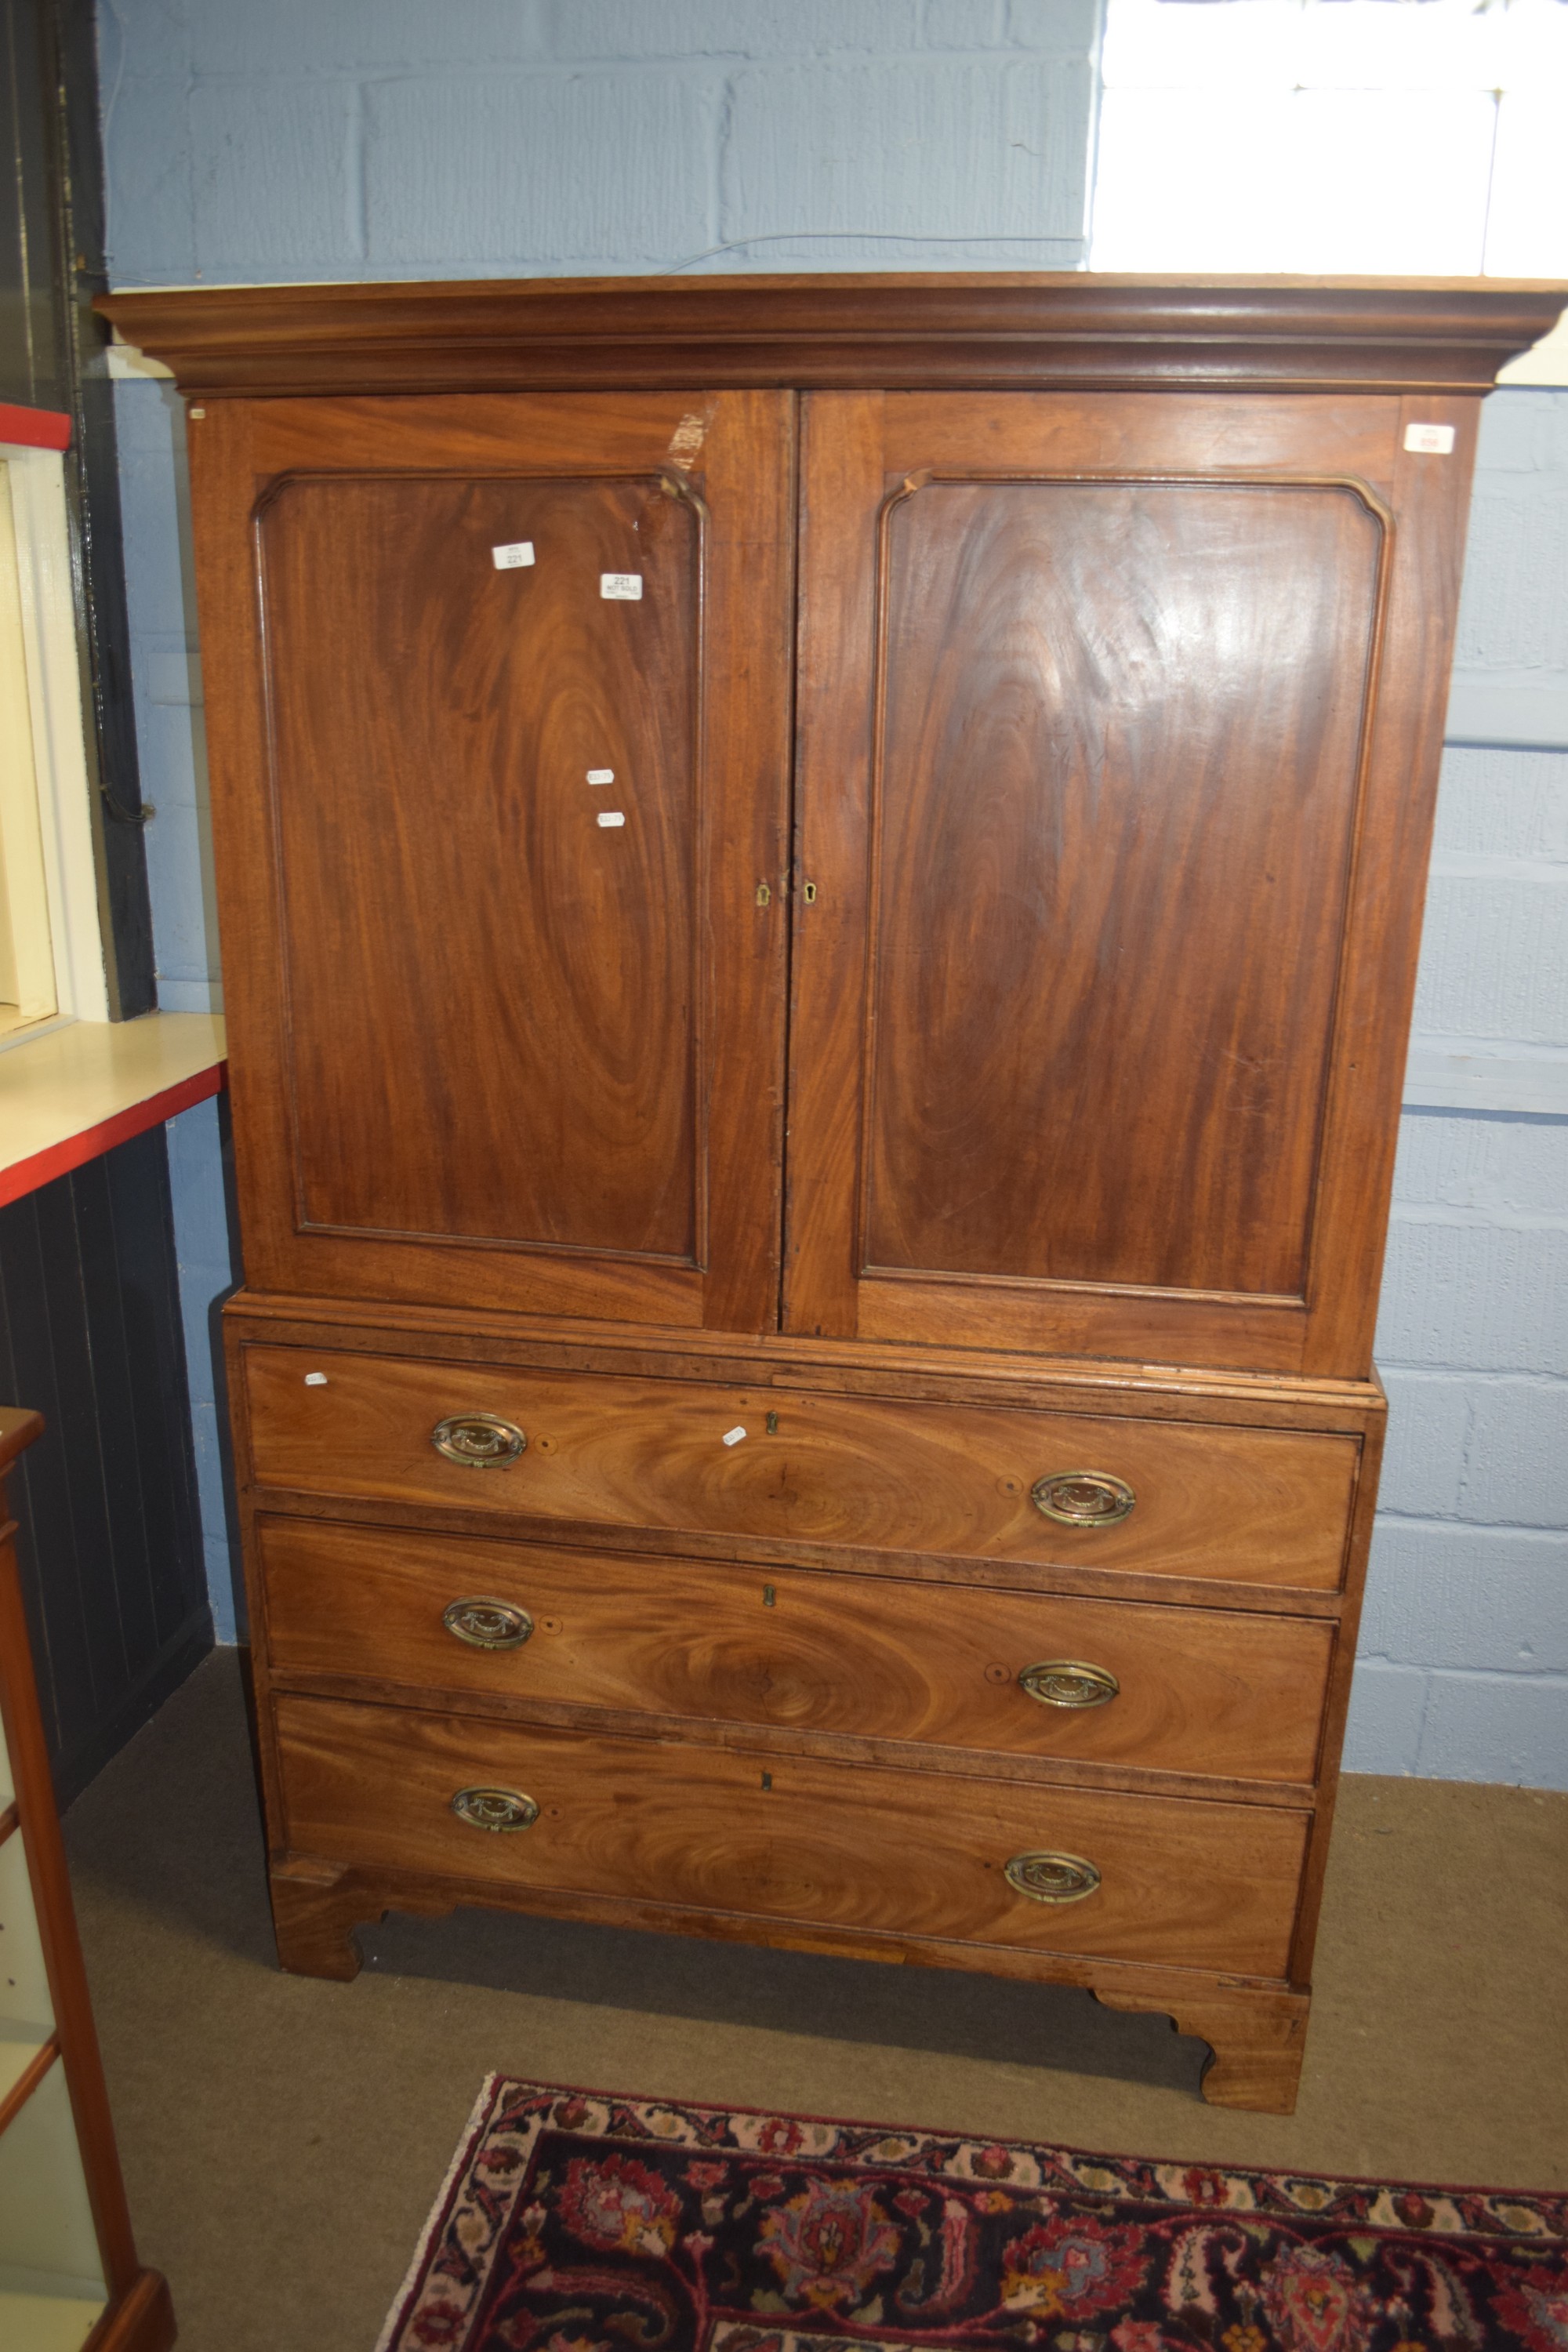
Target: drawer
column 1195, row 1690
column 839, row 1846
column 1261, row 1505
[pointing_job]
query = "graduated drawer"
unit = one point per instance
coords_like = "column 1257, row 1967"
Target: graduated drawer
column 834, row 1846
column 1195, row 1690
column 1261, row 1505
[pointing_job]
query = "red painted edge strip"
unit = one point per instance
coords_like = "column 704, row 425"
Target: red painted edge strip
column 34, row 429
column 26, row 1175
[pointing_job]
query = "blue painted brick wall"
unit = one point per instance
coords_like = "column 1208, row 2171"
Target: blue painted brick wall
column 296, row 138
column 1464, row 1652
column 388, row 138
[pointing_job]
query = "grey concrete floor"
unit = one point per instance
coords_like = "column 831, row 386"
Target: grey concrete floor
column 283, row 2138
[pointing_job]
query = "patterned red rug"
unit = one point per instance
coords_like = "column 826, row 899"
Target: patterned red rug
column 581, row 2222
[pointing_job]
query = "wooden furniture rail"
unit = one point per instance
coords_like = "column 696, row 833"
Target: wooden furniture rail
column 69, row 2275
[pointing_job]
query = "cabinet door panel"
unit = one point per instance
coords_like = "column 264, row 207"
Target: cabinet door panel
column 1093, row 757
column 461, row 927
column 518, row 724
column 1086, row 862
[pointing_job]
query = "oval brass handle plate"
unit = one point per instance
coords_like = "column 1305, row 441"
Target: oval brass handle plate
column 1083, row 1498
column 479, row 1441
column 1052, row 1877
column 1069, row 1682
column 488, row 1625
column 495, row 1808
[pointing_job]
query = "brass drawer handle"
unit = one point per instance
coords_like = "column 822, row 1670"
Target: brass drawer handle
column 1052, row 1877
column 488, row 1625
column 495, row 1808
column 1069, row 1682
column 1083, row 1498
column 479, row 1441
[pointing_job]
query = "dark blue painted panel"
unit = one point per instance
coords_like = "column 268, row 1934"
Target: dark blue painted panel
column 110, row 1541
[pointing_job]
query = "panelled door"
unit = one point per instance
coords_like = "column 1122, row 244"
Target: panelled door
column 1111, row 726
column 501, row 779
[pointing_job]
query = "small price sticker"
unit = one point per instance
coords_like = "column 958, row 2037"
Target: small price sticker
column 514, row 557
column 621, row 587
column 611, row 817
column 601, row 775
column 1430, row 440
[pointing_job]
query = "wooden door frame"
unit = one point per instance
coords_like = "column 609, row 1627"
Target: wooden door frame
column 241, row 451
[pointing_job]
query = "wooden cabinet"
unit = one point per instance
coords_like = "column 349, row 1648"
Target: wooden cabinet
column 820, row 882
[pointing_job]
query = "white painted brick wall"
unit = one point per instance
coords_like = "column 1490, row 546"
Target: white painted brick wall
column 1516, row 1466
column 1488, row 1295
column 1481, row 1163
column 1458, row 1598
column 1503, row 804
column 1495, row 954
column 1428, row 1431
column 1514, row 616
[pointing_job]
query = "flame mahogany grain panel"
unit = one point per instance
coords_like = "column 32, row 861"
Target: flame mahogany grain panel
column 460, row 933
column 848, row 1846
column 1261, row 1507
column 1201, row 1691
column 1120, row 731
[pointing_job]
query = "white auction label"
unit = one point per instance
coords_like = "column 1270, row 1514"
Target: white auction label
column 315, row 1380
column 624, row 587
column 601, row 775
column 733, row 1436
column 610, row 816
column 1430, row 440
column 512, row 558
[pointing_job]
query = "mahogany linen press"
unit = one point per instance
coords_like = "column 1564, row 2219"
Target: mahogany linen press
column 820, row 881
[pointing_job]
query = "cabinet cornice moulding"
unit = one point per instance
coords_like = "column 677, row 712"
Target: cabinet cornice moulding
column 941, row 330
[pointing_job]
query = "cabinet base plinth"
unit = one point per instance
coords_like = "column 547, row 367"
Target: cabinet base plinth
column 317, row 1905
column 1256, row 2033
column 1256, row 2041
